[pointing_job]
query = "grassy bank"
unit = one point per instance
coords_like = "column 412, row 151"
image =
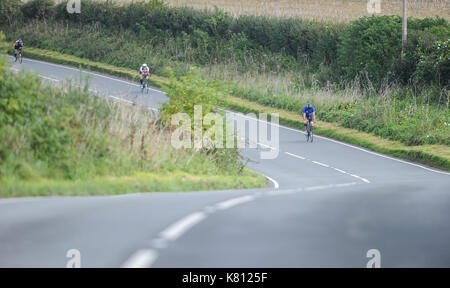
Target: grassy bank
column 433, row 155
column 137, row 183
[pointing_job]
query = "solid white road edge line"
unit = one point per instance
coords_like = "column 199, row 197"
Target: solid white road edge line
column 275, row 183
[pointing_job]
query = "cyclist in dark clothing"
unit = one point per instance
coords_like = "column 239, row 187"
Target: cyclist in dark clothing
column 18, row 45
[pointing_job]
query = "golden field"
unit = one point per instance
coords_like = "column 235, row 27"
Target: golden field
column 324, row 10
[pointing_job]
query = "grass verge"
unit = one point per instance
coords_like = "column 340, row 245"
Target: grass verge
column 433, row 155
column 142, row 182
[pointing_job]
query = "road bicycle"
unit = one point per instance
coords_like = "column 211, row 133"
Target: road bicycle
column 144, row 86
column 20, row 56
column 309, row 132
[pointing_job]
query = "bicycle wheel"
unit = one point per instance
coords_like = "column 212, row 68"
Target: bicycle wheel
column 144, row 85
column 20, row 57
column 309, row 132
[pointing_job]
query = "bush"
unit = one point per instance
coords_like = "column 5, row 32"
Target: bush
column 10, row 11
column 369, row 46
column 38, row 9
column 434, row 65
column 187, row 92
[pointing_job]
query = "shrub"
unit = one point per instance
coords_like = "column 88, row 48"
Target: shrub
column 369, row 46
column 10, row 11
column 187, row 92
column 38, row 9
column 434, row 65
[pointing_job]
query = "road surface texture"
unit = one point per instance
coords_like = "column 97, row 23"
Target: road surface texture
column 327, row 204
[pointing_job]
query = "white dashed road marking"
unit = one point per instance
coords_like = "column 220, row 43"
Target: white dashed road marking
column 180, row 227
column 233, row 202
column 141, row 259
column 321, row 164
column 328, row 166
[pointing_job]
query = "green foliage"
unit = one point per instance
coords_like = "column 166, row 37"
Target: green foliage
column 434, row 64
column 186, row 93
column 369, row 45
column 10, row 11
column 3, row 59
column 308, row 41
column 190, row 91
column 38, row 9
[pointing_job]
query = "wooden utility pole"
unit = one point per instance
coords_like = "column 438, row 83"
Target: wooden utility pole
column 404, row 26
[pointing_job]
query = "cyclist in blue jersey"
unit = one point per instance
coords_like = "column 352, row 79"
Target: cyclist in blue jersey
column 309, row 114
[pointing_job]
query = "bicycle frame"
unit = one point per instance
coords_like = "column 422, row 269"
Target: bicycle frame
column 309, row 132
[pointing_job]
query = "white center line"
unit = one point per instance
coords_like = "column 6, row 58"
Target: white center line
column 339, row 170
column 345, row 184
column 296, row 156
column 178, row 228
column 233, row 202
column 48, row 78
column 360, row 178
column 267, row 146
column 141, row 259
column 321, row 164
column 319, row 187
column 121, row 99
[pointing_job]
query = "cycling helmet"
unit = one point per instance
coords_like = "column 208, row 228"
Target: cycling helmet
column 144, row 65
column 309, row 106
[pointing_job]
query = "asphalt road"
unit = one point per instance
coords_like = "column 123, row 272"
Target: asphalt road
column 328, row 204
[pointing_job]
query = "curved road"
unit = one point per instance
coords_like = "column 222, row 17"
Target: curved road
column 328, row 204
